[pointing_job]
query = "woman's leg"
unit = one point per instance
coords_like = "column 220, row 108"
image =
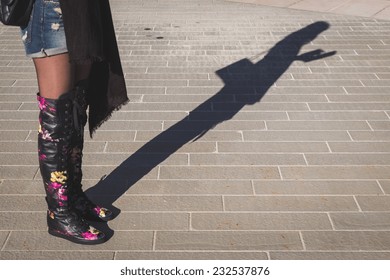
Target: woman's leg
column 57, row 126
column 55, row 75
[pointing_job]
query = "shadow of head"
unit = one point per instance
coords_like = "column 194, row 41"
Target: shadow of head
column 260, row 76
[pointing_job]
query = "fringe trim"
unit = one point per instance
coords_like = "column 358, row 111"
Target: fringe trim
column 109, row 115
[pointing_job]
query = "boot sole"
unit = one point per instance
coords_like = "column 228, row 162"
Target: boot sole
column 76, row 240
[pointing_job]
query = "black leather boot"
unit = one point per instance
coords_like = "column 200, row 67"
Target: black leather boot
column 54, row 138
column 81, row 203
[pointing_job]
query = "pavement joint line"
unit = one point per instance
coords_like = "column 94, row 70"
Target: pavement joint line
column 357, row 203
column 154, row 241
column 380, row 186
column 302, row 240
column 6, row 241
column 330, row 220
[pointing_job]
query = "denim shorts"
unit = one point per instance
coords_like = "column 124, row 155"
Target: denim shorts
column 44, row 35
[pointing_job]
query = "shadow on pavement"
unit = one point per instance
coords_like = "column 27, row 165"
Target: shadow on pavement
column 245, row 84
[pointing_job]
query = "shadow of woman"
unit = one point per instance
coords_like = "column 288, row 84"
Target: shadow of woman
column 245, row 84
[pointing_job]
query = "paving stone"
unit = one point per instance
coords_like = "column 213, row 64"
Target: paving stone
column 218, row 172
column 360, row 98
column 31, row 90
column 149, row 116
column 172, row 107
column 385, row 184
column 23, row 203
column 315, row 187
column 348, row 68
column 230, row 125
column 335, row 172
column 346, row 240
column 361, row 221
column 59, row 255
column 151, row 221
column 169, row 203
column 18, row 125
column 131, row 125
column 240, row 116
column 97, row 172
column 271, row 147
column 335, row 76
column 13, row 135
column 9, row 106
column 380, row 125
column 148, row 159
column 18, row 186
column 161, row 147
column 313, row 255
column 317, row 125
column 196, row 187
column 3, row 237
column 186, row 255
column 19, row 172
column 320, row 83
column 23, row 220
column 374, row 203
column 30, row 146
column 348, row 159
column 289, row 203
column 370, row 135
column 337, row 115
column 16, row 159
column 259, row 221
column 340, row 106
column 298, row 135
column 172, row 137
column 110, row 136
column 222, row 240
column 248, row 159
column 42, row 241
column 371, row 83
column 18, row 115
column 360, row 147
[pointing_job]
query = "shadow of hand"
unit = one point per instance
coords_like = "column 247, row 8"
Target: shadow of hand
column 314, row 55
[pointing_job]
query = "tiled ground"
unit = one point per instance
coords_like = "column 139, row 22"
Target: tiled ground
column 241, row 140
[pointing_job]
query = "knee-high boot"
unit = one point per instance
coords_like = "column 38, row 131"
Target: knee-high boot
column 82, row 204
column 54, row 138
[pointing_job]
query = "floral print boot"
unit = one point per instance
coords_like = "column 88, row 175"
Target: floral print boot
column 54, row 137
column 81, row 203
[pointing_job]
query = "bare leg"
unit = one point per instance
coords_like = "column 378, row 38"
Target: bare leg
column 55, row 75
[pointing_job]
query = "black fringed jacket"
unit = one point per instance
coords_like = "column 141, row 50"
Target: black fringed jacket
column 90, row 37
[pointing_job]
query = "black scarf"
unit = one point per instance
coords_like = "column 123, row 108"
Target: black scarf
column 90, row 38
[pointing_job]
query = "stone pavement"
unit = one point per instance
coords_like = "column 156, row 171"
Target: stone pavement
column 379, row 9
column 242, row 140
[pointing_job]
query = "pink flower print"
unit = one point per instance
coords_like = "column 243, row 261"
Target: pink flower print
column 97, row 209
column 45, row 135
column 42, row 157
column 61, row 195
column 42, row 104
column 91, row 234
column 54, row 185
column 100, row 211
